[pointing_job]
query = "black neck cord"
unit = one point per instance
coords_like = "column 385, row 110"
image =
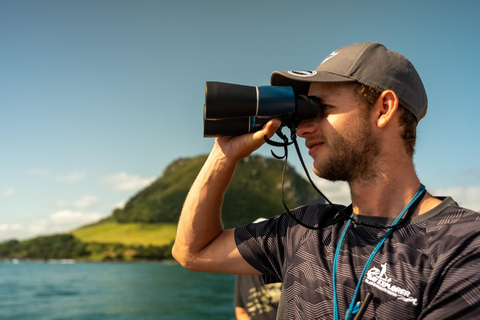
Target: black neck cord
column 344, row 215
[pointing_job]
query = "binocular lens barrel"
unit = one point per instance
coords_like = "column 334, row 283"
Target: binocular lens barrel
column 232, row 109
column 232, row 127
column 225, row 100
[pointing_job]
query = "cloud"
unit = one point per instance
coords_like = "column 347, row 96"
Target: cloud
column 86, row 201
column 12, row 231
column 468, row 197
column 120, row 205
column 71, row 177
column 7, row 193
column 68, row 217
column 122, row 181
column 66, row 178
column 62, row 221
column 468, row 177
column 59, row 222
column 7, row 227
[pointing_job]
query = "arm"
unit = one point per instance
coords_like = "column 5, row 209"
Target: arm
column 241, row 313
column 201, row 243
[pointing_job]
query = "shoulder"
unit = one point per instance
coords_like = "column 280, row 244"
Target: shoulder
column 449, row 217
column 453, row 237
column 453, row 231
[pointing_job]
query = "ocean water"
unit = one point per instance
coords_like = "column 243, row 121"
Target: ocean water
column 120, row 291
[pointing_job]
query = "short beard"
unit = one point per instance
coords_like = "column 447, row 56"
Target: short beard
column 352, row 157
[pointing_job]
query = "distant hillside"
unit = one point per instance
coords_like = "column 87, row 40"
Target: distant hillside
column 255, row 191
column 157, row 234
column 145, row 228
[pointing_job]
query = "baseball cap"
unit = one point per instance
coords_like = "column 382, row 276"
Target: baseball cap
column 368, row 63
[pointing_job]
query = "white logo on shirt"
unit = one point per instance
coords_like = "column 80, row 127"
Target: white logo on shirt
column 379, row 280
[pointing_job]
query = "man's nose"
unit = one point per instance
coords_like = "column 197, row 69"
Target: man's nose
column 306, row 127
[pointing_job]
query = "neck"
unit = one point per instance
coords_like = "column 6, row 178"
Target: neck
column 387, row 194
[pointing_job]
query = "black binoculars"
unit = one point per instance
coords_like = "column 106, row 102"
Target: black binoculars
column 232, row 109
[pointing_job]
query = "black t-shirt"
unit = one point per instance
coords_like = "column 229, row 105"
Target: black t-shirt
column 429, row 268
column 260, row 300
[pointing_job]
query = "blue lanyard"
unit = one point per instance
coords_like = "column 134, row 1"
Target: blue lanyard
column 353, row 308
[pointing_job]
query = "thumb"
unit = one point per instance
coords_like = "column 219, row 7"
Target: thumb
column 271, row 127
column 268, row 130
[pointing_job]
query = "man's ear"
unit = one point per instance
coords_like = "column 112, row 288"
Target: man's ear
column 385, row 107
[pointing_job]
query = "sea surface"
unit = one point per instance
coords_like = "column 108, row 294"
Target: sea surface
column 100, row 291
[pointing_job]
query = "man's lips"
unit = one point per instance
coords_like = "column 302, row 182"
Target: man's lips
column 313, row 145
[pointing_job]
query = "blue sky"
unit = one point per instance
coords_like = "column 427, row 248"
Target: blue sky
column 98, row 97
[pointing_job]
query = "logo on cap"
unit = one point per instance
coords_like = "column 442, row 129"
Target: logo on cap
column 305, row 73
column 333, row 54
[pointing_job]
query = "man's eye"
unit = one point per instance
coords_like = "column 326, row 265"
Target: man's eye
column 323, row 108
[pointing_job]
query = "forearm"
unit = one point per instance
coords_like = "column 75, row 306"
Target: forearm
column 201, row 243
column 200, row 221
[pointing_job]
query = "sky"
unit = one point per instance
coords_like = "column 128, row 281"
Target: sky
column 98, row 97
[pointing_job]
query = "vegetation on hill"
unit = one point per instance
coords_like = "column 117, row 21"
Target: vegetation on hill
column 157, row 234
column 255, row 191
column 59, row 246
column 145, row 228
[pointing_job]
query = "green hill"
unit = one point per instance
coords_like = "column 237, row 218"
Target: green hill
column 255, row 191
column 145, row 228
column 156, row 234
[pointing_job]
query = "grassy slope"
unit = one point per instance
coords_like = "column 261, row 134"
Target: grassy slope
column 128, row 233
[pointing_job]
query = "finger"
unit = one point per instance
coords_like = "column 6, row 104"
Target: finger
column 268, row 130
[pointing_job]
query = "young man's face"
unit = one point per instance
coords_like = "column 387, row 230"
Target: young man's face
column 340, row 140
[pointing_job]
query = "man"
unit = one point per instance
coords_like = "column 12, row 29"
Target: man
column 418, row 255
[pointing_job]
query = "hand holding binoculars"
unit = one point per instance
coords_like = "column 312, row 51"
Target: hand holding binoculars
column 232, row 109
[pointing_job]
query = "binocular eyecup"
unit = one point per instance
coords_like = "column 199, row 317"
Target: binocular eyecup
column 232, row 109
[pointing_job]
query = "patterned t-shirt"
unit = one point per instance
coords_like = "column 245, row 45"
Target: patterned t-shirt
column 429, row 268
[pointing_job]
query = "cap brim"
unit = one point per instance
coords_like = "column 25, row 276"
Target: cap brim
column 300, row 81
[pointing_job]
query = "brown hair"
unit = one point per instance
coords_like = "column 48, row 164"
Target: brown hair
column 367, row 96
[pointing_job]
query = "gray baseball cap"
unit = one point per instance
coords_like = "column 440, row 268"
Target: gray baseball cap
column 369, row 63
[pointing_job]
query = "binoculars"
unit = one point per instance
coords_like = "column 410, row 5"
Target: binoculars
column 232, row 109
